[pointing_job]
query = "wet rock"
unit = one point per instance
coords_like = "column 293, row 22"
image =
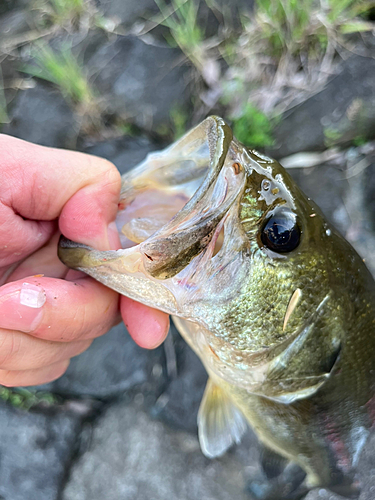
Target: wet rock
column 126, row 12
column 41, row 115
column 139, row 81
column 345, row 194
column 14, row 22
column 146, row 460
column 343, row 112
column 326, row 185
column 112, row 365
column 369, row 190
column 124, row 152
column 179, row 404
column 366, row 470
column 35, row 450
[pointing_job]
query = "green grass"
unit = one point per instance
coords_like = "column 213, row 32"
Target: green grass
column 179, row 120
column 63, row 70
column 180, row 17
column 4, row 118
column 295, row 26
column 61, row 12
column 25, row 399
column 253, row 128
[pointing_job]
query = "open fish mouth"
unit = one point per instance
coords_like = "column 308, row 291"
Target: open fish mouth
column 177, row 221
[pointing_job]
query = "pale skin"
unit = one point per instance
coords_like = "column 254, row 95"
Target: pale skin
column 48, row 313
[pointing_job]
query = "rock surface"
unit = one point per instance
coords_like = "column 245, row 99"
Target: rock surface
column 35, row 452
column 140, row 81
column 124, row 152
column 127, row 12
column 112, row 365
column 178, row 405
column 344, row 111
column 41, row 115
column 134, row 458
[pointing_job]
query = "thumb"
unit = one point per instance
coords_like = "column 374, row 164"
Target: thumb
column 45, row 183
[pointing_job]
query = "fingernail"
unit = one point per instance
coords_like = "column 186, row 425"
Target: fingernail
column 113, row 236
column 22, row 309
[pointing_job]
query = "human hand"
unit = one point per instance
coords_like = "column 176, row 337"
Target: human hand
column 48, row 313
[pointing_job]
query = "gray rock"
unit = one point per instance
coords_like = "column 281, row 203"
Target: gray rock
column 41, row 115
column 369, row 193
column 133, row 457
column 126, row 12
column 113, row 364
column 346, row 198
column 178, row 405
column 326, row 185
column 35, row 452
column 124, row 152
column 13, row 23
column 139, row 81
column 342, row 112
column 366, row 470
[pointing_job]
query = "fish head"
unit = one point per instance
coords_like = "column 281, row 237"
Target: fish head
column 220, row 236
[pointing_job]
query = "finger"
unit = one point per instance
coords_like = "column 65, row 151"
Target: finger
column 58, row 310
column 33, row 377
column 44, row 180
column 20, row 351
column 42, row 262
column 148, row 327
column 18, row 237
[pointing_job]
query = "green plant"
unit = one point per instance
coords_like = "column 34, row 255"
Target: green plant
column 179, row 122
column 254, row 128
column 331, row 136
column 180, row 17
column 283, row 23
column 62, row 69
column 295, row 26
column 26, row 399
column 3, row 105
column 62, row 12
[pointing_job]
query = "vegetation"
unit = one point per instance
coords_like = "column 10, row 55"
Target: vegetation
column 63, row 69
column 284, row 47
column 3, row 105
column 180, row 17
column 63, row 12
column 253, row 127
column 179, row 120
column 25, row 399
column 297, row 26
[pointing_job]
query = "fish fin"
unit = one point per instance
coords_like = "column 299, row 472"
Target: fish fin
column 284, row 387
column 272, row 463
column 220, row 422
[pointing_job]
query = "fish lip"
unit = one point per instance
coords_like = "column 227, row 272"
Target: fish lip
column 65, row 243
column 190, row 231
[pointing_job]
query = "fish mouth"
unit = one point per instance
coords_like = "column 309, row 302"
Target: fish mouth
column 177, row 222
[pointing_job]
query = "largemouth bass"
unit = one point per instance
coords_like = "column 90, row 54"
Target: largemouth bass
column 277, row 305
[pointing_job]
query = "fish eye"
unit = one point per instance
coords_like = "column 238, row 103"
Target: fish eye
column 281, row 232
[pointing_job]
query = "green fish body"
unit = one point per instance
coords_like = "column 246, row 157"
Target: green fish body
column 278, row 306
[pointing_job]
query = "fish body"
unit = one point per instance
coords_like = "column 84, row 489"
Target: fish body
column 277, row 305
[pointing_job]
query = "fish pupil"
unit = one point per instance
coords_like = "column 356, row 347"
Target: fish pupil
column 281, row 233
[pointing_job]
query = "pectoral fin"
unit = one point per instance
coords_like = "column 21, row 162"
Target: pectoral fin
column 286, row 383
column 304, row 366
column 220, row 422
